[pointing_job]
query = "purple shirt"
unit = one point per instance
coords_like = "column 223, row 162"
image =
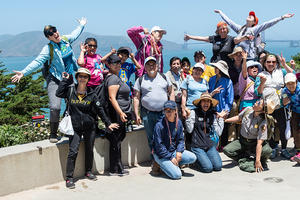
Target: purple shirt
column 249, row 94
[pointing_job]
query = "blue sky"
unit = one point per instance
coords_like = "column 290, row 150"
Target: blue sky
column 176, row 16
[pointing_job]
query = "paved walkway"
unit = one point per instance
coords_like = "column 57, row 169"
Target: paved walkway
column 230, row 183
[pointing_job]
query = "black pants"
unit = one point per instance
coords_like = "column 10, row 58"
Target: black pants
column 74, row 141
column 115, row 138
column 279, row 115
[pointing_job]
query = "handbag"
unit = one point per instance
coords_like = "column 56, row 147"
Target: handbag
column 65, row 126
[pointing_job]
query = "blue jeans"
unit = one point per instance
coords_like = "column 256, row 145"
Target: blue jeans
column 172, row 170
column 149, row 119
column 208, row 160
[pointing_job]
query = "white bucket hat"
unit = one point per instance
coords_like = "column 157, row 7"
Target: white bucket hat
column 222, row 66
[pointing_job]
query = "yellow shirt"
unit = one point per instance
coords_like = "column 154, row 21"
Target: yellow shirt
column 208, row 72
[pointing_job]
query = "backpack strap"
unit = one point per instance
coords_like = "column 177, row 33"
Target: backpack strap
column 244, row 92
column 51, row 53
column 65, row 38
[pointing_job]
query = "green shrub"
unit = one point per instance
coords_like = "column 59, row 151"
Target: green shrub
column 13, row 134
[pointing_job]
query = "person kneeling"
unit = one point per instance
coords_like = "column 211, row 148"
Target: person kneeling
column 204, row 135
column 168, row 141
column 251, row 150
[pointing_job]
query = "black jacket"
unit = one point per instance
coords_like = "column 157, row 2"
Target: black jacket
column 203, row 120
column 83, row 113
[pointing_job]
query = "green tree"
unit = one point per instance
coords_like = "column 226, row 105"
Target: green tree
column 19, row 101
column 296, row 58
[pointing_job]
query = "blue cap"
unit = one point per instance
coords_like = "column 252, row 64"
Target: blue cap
column 170, row 104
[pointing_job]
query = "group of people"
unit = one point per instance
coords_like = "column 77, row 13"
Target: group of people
column 236, row 104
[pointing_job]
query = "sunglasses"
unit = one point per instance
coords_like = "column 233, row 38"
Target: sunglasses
column 90, row 45
column 83, row 76
column 251, row 67
column 51, row 31
column 268, row 61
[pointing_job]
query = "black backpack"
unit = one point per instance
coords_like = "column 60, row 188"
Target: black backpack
column 102, row 94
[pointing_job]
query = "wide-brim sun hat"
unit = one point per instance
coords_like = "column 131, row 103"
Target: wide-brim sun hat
column 222, row 66
column 83, row 70
column 270, row 106
column 214, row 102
column 235, row 51
column 251, row 63
column 157, row 28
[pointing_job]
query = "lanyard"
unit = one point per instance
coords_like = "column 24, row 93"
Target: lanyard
column 169, row 132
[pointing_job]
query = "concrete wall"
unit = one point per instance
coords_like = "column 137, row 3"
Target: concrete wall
column 26, row 166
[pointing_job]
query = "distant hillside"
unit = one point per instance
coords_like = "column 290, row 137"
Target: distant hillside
column 31, row 43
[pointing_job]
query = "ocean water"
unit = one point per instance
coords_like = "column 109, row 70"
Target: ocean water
column 19, row 63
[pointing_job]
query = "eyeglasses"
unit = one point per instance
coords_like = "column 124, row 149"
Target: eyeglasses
column 83, row 76
column 51, row 31
column 269, row 61
column 91, row 45
column 254, row 66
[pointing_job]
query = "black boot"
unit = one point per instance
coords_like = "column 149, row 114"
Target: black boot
column 53, row 132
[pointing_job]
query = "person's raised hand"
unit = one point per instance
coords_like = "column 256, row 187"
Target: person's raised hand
column 82, row 21
column 17, row 76
column 263, row 78
column 244, row 54
column 282, row 60
column 131, row 56
column 186, row 37
column 146, row 32
column 289, row 15
column 83, row 47
column 65, row 75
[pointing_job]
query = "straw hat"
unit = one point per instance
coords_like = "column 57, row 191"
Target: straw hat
column 83, row 71
column 235, row 51
column 206, row 96
column 270, row 106
column 222, row 66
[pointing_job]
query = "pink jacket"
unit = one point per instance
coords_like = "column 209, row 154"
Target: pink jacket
column 143, row 46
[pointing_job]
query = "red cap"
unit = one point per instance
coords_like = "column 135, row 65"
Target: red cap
column 252, row 13
column 221, row 24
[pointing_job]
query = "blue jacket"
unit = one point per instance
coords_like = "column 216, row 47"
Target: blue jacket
column 294, row 98
column 161, row 139
column 225, row 97
column 57, row 65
